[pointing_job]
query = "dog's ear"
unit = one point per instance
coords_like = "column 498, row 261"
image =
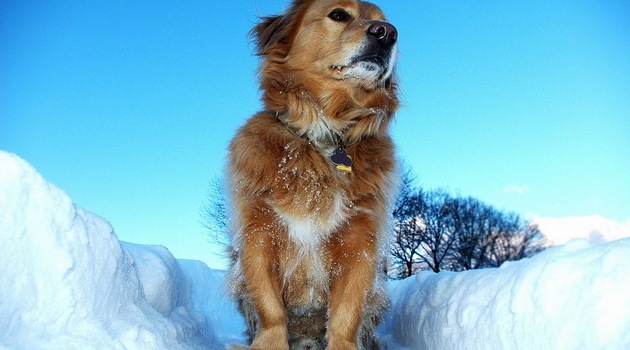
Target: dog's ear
column 270, row 32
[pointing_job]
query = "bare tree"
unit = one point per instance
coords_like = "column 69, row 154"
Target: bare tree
column 514, row 239
column 215, row 213
column 405, row 248
column 488, row 237
column 436, row 232
column 469, row 221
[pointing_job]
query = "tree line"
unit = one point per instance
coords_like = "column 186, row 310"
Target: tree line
column 432, row 230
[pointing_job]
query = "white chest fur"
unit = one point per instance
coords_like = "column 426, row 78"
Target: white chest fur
column 307, row 234
column 309, row 230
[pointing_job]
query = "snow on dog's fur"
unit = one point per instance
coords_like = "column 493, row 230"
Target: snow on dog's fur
column 307, row 235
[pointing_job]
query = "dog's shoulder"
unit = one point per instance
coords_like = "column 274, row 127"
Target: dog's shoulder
column 255, row 150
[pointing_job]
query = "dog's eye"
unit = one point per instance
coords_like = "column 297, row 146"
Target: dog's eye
column 339, row 15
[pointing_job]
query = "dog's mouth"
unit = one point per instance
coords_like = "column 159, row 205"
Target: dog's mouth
column 367, row 66
column 378, row 60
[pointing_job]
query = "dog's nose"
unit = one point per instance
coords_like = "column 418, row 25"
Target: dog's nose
column 384, row 32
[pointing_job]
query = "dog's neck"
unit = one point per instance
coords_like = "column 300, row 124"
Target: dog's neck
column 319, row 133
column 327, row 119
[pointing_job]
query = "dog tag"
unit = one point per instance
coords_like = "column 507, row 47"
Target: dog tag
column 341, row 160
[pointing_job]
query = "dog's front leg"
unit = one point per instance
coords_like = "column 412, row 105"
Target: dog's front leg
column 262, row 282
column 354, row 259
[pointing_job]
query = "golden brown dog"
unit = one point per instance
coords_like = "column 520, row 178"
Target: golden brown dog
column 313, row 177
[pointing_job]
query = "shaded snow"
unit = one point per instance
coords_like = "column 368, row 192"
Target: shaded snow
column 66, row 282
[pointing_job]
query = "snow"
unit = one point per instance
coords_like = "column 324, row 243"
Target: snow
column 67, row 282
column 576, row 296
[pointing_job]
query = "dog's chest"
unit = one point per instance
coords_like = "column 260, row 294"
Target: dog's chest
column 311, row 202
column 305, row 268
column 309, row 196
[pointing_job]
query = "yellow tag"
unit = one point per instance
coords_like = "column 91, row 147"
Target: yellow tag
column 344, row 168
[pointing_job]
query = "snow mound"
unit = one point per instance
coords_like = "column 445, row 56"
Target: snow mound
column 68, row 283
column 576, row 296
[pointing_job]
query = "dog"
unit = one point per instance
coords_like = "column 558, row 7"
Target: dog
column 313, row 178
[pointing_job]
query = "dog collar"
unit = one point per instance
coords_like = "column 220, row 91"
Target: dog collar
column 339, row 158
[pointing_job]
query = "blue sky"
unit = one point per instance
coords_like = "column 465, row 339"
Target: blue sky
column 129, row 106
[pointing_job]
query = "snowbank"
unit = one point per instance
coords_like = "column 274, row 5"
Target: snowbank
column 575, row 296
column 66, row 282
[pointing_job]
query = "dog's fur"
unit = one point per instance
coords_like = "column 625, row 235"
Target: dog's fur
column 308, row 240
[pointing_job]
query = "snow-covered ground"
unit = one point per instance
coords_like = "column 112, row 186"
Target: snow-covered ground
column 67, row 282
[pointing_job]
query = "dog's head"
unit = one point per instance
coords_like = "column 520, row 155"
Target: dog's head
column 339, row 39
column 336, row 56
